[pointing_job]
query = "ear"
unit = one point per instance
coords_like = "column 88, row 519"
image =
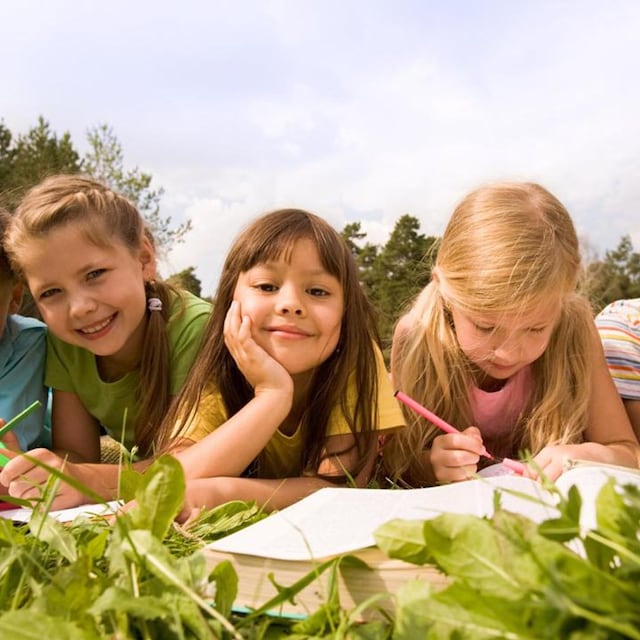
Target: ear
column 16, row 298
column 148, row 259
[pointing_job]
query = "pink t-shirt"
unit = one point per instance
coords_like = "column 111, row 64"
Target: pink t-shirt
column 495, row 413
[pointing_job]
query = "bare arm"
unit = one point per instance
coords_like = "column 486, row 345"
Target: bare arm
column 278, row 493
column 633, row 411
column 76, row 433
column 229, row 449
column 609, row 437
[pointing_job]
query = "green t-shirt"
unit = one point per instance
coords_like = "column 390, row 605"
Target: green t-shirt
column 74, row 369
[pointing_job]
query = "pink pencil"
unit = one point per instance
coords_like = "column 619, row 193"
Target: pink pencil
column 514, row 465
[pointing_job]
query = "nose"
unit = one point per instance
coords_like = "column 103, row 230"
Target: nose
column 507, row 350
column 80, row 305
column 290, row 302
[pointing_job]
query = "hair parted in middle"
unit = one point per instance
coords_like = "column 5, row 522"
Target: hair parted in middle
column 507, row 248
column 269, row 238
column 103, row 214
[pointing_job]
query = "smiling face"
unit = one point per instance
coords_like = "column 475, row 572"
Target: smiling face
column 90, row 296
column 296, row 308
column 502, row 344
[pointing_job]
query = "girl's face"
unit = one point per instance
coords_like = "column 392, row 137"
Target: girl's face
column 296, row 308
column 91, row 296
column 500, row 344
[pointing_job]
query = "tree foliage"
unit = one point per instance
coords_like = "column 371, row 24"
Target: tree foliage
column 187, row 280
column 28, row 158
column 392, row 274
column 615, row 277
column 105, row 162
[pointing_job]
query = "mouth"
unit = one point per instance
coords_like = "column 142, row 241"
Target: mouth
column 96, row 328
column 286, row 331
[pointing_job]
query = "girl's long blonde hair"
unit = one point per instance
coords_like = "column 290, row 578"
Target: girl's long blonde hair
column 103, row 214
column 270, row 238
column 507, row 248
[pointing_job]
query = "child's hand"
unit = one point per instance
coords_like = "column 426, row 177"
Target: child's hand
column 10, row 440
column 26, row 480
column 455, row 456
column 550, row 461
column 258, row 367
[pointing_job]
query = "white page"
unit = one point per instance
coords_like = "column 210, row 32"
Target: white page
column 64, row 515
column 337, row 520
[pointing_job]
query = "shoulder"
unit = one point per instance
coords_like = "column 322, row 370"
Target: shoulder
column 185, row 303
column 620, row 315
column 20, row 324
column 26, row 332
column 188, row 312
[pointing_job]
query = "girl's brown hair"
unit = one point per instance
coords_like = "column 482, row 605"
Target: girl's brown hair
column 270, row 238
column 507, row 248
column 103, row 214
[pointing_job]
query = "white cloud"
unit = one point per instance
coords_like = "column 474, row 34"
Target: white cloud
column 357, row 111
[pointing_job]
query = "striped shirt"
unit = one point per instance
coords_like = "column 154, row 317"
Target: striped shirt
column 619, row 327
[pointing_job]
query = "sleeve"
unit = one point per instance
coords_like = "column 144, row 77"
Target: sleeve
column 619, row 329
column 389, row 412
column 208, row 416
column 185, row 334
column 21, row 383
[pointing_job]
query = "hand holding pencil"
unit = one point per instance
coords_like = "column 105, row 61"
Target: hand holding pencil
column 455, row 456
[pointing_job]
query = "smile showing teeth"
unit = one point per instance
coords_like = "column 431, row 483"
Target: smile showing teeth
column 96, row 327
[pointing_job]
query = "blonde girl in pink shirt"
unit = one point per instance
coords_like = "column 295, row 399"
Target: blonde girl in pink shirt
column 501, row 345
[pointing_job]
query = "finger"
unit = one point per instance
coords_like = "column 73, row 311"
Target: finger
column 232, row 319
column 11, row 441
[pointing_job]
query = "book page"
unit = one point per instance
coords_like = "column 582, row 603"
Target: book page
column 64, row 515
column 589, row 478
column 336, row 520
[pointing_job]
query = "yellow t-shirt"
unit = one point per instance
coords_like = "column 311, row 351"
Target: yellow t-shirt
column 282, row 456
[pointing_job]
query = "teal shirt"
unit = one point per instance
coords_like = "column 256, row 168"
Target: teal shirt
column 74, row 369
column 22, row 361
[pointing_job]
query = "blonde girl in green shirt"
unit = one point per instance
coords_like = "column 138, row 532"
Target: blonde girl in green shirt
column 121, row 340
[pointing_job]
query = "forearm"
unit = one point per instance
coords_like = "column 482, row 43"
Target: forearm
column 230, row 449
column 623, row 453
column 267, row 493
column 103, row 479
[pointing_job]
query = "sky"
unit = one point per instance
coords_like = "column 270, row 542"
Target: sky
column 356, row 110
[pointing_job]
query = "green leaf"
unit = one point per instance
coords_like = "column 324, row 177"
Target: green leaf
column 159, row 497
column 29, row 625
column 53, row 533
column 403, row 539
column 226, row 579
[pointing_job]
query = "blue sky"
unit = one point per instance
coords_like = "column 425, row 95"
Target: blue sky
column 355, row 110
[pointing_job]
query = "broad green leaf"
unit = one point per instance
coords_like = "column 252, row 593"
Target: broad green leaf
column 159, row 496
column 121, row 601
column 53, row 533
column 28, row 625
column 403, row 539
column 226, row 580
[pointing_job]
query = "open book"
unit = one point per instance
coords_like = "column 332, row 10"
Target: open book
column 336, row 521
